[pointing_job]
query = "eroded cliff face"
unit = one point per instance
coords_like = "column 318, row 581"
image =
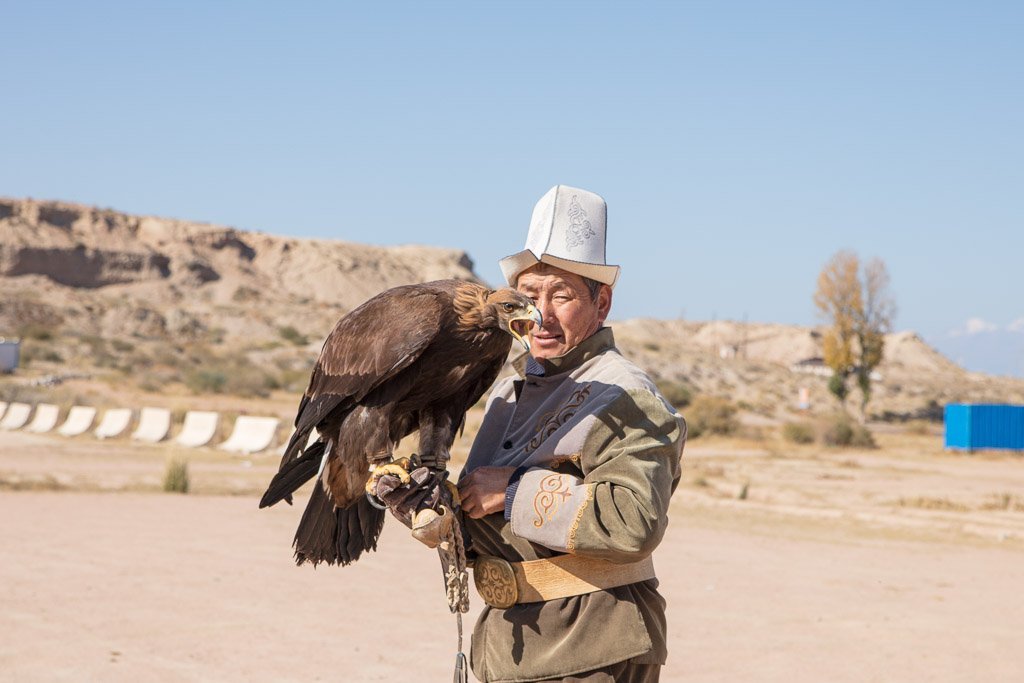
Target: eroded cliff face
column 106, row 273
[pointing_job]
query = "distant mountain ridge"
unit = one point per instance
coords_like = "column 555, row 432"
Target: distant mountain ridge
column 95, row 288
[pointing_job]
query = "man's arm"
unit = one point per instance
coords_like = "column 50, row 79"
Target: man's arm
column 618, row 511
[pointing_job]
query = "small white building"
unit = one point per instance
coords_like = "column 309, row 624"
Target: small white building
column 10, row 352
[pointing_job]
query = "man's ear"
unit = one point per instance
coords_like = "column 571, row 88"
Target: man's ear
column 604, row 302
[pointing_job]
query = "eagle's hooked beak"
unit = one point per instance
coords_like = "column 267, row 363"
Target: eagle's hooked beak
column 530, row 317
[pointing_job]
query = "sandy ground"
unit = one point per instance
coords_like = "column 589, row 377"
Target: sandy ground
column 903, row 564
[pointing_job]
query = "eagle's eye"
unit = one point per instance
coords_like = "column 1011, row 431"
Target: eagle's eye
column 508, row 307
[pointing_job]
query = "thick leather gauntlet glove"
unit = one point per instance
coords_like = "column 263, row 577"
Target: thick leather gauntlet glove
column 423, row 491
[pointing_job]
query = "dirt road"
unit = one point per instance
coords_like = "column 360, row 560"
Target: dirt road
column 781, row 564
column 162, row 587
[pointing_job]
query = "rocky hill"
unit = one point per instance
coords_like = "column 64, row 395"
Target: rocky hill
column 100, row 272
column 160, row 302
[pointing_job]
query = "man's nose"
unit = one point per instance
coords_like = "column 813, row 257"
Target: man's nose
column 547, row 311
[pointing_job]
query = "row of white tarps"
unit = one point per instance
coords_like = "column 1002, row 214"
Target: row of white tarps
column 250, row 434
column 16, row 416
column 114, row 423
column 79, row 420
column 154, row 425
column 45, row 418
column 198, row 429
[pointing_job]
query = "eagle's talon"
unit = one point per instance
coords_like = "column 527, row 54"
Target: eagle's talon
column 453, row 489
column 375, row 501
column 398, row 468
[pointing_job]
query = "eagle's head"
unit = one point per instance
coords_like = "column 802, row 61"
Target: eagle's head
column 513, row 313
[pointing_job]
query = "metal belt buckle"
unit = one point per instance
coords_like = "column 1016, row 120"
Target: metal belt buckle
column 495, row 581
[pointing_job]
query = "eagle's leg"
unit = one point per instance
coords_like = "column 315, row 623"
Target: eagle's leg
column 437, row 434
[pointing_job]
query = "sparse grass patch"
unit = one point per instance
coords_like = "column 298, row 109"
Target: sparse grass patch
column 213, row 374
column 919, row 427
column 1005, row 501
column 36, row 331
column 711, row 415
column 290, row 334
column 47, row 483
column 798, row 432
column 243, row 294
column 926, row 503
column 176, row 479
column 679, row 394
column 839, row 431
column 31, row 354
column 206, row 381
column 755, row 433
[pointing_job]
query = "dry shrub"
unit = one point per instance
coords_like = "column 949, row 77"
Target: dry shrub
column 919, row 428
column 176, row 478
column 711, row 415
column 33, row 354
column 231, row 375
column 290, row 334
column 798, row 432
column 679, row 394
column 840, row 431
column 929, row 503
column 36, row 331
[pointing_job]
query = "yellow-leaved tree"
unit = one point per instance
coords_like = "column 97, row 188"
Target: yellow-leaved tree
column 859, row 310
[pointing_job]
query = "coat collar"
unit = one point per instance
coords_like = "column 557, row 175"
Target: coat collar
column 594, row 345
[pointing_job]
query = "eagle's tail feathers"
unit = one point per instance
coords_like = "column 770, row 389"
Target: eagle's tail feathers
column 336, row 535
column 293, row 475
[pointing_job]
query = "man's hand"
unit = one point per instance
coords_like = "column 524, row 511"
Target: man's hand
column 483, row 490
column 404, row 500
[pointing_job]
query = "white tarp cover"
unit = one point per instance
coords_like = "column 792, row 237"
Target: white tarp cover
column 45, row 418
column 79, row 420
column 251, row 434
column 115, row 421
column 154, row 423
column 16, row 416
column 198, row 429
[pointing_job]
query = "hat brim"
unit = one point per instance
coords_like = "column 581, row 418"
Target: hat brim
column 512, row 266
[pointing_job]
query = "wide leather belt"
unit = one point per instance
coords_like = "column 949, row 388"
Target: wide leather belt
column 503, row 584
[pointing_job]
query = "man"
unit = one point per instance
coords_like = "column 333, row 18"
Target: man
column 566, row 490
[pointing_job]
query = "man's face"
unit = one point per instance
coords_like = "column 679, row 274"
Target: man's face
column 570, row 315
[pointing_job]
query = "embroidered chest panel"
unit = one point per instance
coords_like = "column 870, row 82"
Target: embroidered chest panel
column 549, row 423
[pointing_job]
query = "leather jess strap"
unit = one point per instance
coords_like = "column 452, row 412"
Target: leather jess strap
column 503, row 584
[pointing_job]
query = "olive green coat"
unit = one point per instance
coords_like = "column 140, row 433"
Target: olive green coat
column 601, row 451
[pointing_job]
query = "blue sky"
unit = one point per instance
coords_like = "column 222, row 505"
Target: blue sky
column 738, row 144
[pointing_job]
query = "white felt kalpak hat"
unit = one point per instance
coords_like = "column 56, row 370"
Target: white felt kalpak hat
column 567, row 231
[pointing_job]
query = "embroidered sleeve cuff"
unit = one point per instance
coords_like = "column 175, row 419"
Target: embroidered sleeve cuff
column 546, row 508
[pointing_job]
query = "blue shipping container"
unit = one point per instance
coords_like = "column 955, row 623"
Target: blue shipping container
column 976, row 426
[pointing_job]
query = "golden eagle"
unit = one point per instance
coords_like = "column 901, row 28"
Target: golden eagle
column 411, row 358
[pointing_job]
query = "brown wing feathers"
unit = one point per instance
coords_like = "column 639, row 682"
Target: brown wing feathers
column 410, row 351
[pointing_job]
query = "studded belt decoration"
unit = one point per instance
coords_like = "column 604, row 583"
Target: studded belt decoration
column 502, row 584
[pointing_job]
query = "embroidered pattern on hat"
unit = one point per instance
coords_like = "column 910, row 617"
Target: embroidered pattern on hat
column 579, row 226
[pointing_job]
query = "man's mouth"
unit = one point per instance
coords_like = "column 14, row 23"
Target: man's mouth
column 542, row 335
